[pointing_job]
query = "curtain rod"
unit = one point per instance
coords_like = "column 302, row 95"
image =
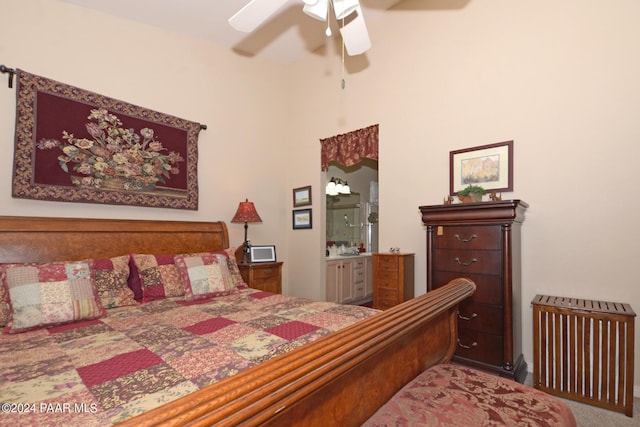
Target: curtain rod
column 12, row 72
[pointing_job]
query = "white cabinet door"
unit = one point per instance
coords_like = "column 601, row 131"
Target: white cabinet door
column 334, row 271
column 346, row 284
column 349, row 279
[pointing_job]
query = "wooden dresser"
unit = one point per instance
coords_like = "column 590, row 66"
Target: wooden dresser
column 392, row 279
column 481, row 241
column 266, row 276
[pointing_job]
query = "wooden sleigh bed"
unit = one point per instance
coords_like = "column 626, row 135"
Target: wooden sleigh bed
column 236, row 357
column 338, row 379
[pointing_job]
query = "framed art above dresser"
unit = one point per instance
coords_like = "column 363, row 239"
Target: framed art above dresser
column 481, row 241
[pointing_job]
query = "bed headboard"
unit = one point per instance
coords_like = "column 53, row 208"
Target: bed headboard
column 40, row 239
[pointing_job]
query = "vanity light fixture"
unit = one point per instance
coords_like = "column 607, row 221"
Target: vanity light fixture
column 346, row 189
column 337, row 186
column 330, row 190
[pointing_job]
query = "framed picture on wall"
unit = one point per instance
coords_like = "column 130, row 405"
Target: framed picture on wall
column 302, row 196
column 302, row 219
column 489, row 166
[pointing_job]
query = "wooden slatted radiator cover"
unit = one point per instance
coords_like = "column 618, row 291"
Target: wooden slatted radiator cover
column 583, row 350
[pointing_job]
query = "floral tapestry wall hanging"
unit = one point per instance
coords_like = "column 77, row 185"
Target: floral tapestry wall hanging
column 74, row 145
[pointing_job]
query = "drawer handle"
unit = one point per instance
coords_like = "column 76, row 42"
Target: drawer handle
column 461, row 317
column 460, row 239
column 466, row 264
column 267, row 271
column 473, row 344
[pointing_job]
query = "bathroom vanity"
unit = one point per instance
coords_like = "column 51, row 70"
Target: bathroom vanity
column 349, row 279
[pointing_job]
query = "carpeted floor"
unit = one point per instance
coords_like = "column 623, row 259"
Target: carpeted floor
column 591, row 416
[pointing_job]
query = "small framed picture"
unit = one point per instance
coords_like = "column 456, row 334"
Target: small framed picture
column 263, row 253
column 489, row 166
column 302, row 196
column 302, row 219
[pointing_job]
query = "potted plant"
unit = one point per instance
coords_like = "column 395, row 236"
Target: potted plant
column 472, row 193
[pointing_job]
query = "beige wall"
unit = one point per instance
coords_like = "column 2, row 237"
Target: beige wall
column 242, row 106
column 559, row 78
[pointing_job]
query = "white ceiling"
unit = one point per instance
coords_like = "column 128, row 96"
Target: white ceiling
column 287, row 36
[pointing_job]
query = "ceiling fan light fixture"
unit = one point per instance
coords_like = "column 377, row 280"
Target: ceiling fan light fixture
column 344, row 8
column 354, row 34
column 317, row 9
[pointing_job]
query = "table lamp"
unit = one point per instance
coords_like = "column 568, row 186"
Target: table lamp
column 246, row 213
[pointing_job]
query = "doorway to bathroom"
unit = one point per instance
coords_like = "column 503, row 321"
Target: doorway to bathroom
column 352, row 219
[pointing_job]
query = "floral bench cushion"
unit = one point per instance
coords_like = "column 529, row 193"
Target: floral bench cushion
column 451, row 395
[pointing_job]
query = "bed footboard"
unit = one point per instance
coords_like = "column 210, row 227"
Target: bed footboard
column 341, row 379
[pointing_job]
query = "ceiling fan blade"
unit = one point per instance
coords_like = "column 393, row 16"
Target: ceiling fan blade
column 254, row 13
column 355, row 35
column 344, row 8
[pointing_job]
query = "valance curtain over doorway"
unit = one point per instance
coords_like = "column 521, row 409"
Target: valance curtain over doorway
column 350, row 148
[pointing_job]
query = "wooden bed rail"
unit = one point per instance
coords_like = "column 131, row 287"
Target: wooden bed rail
column 340, row 379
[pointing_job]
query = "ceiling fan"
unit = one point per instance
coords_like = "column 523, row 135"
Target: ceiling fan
column 354, row 32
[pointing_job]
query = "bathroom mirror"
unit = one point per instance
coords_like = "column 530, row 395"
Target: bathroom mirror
column 344, row 222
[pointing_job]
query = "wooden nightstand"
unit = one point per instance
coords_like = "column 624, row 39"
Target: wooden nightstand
column 266, row 276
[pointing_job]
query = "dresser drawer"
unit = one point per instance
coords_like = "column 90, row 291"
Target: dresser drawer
column 468, row 262
column 265, row 273
column 386, row 284
column 359, row 263
column 384, row 304
column 358, row 276
column 480, row 317
column 386, row 275
column 268, row 284
column 488, row 287
column 480, row 346
column 387, row 293
column 468, row 237
column 387, row 263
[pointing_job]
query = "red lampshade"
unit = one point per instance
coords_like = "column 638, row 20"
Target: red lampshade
column 246, row 213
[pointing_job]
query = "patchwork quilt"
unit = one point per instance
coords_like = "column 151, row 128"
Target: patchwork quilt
column 101, row 372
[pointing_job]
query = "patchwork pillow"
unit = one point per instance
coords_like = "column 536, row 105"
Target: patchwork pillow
column 205, row 275
column 232, row 264
column 111, row 280
column 157, row 277
column 50, row 294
